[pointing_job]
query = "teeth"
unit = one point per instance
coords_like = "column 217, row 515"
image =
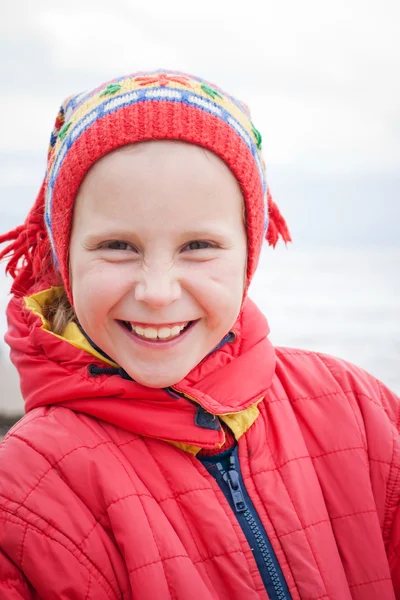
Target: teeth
column 166, row 332
column 152, row 333
column 177, row 329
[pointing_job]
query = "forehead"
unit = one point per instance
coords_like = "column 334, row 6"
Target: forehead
column 159, row 175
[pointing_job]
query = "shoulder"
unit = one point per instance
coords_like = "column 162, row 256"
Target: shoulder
column 51, row 432
column 53, row 464
column 350, row 423
column 49, row 454
column 315, row 374
column 342, row 411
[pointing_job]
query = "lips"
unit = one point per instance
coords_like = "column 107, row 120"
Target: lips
column 157, row 333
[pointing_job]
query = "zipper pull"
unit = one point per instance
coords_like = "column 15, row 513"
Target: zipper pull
column 231, row 477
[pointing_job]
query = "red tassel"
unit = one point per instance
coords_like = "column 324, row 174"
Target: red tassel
column 29, row 254
column 277, row 225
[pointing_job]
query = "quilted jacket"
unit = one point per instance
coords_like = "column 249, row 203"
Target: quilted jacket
column 102, row 496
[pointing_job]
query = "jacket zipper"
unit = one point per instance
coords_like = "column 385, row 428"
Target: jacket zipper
column 228, row 476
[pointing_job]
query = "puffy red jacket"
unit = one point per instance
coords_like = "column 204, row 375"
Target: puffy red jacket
column 102, row 496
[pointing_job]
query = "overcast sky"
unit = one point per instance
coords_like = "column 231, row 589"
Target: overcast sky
column 321, row 79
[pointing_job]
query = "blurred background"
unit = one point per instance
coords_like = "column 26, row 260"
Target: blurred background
column 322, row 82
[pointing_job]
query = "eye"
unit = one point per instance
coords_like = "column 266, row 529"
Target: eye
column 118, row 245
column 198, row 245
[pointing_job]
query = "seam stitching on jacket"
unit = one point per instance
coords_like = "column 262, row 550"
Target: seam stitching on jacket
column 86, row 422
column 391, row 495
column 49, row 524
column 252, row 473
column 282, row 350
column 176, row 499
column 128, row 475
column 157, row 562
column 88, row 587
column 298, row 398
column 381, row 406
column 268, row 515
column 326, row 395
column 385, row 462
column 106, row 442
column 394, row 551
column 22, row 423
column 185, row 556
column 358, row 394
column 217, row 555
column 16, row 520
column 159, row 552
column 354, row 514
column 98, row 519
column 106, row 432
column 184, row 493
column 21, row 550
column 244, row 547
column 309, row 457
column 147, row 519
column 299, row 519
column 353, row 585
column 347, row 393
column 52, row 466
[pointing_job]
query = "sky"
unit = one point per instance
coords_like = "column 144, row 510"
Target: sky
column 322, row 82
column 321, row 79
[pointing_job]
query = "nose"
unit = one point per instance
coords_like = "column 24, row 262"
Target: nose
column 157, row 288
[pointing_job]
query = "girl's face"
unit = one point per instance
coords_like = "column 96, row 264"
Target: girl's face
column 158, row 257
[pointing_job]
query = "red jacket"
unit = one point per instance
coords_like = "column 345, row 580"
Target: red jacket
column 95, row 504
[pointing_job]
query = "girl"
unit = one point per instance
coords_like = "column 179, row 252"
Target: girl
column 169, row 450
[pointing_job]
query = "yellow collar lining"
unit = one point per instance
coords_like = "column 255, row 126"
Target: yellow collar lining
column 239, row 422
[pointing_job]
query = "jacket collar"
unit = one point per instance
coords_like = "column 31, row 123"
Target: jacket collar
column 229, row 383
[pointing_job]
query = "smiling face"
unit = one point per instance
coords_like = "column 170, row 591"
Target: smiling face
column 158, row 257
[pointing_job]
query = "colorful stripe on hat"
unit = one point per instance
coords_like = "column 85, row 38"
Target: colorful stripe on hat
column 156, row 105
column 83, row 110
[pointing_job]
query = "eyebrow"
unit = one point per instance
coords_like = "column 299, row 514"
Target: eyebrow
column 120, row 233
column 206, row 232
column 112, row 233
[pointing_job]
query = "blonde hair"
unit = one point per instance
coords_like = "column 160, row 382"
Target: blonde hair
column 59, row 312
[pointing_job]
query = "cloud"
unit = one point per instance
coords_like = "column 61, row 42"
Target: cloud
column 320, row 79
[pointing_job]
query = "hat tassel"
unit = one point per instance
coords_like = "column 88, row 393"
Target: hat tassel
column 277, row 226
column 29, row 252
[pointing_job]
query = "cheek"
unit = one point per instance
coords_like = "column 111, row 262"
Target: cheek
column 218, row 286
column 96, row 289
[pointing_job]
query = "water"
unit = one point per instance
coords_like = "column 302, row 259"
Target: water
column 341, row 302
column 337, row 301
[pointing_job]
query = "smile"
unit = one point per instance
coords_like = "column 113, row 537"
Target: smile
column 153, row 333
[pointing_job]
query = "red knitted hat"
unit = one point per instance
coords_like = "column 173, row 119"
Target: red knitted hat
column 138, row 107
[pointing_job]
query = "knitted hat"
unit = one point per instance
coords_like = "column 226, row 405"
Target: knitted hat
column 142, row 106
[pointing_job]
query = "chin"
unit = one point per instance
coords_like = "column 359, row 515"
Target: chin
column 160, row 373
column 157, row 381
column 155, row 384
